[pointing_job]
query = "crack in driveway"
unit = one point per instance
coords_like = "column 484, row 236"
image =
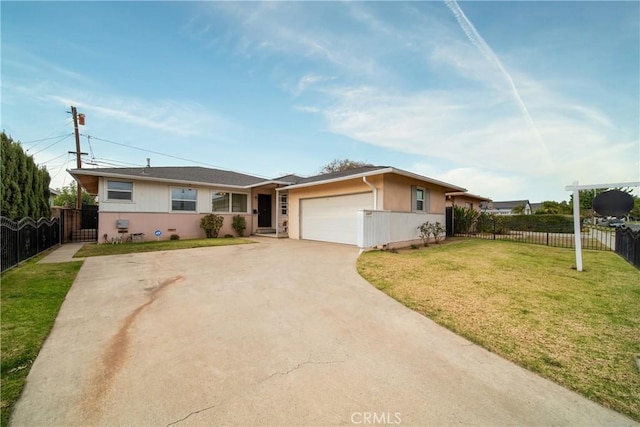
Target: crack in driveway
column 192, row 413
column 298, row 366
column 301, row 364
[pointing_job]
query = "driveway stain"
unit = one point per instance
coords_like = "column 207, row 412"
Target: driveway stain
column 115, row 354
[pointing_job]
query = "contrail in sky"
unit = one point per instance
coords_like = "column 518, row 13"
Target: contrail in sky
column 476, row 39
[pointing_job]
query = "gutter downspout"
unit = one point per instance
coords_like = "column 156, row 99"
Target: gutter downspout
column 277, row 211
column 375, row 192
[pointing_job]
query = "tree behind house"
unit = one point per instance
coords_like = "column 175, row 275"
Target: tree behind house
column 342, row 165
column 68, row 196
column 24, row 187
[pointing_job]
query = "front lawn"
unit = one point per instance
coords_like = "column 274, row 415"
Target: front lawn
column 93, row 249
column 31, row 296
column 526, row 303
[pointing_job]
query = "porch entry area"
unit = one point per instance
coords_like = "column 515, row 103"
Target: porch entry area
column 272, row 212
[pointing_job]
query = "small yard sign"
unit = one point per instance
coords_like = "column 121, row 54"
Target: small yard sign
column 158, row 233
column 576, row 210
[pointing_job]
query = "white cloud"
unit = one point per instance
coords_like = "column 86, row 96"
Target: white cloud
column 176, row 117
column 478, row 181
column 470, row 129
column 454, row 125
column 306, row 82
column 307, row 109
column 172, row 116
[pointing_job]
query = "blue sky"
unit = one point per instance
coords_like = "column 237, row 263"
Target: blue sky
column 511, row 100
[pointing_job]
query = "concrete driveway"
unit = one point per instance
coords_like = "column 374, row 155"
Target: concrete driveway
column 275, row 333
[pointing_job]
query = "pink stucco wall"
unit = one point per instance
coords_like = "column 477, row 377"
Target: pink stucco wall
column 185, row 225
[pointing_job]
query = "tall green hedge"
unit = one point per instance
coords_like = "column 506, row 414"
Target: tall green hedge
column 467, row 220
column 24, row 187
column 540, row 223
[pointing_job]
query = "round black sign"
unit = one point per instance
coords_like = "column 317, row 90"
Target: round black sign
column 613, row 203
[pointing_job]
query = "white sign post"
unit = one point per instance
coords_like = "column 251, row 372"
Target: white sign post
column 577, row 232
column 576, row 211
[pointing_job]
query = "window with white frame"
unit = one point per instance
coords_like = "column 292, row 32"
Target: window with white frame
column 224, row 202
column 120, row 190
column 220, row 202
column 284, row 204
column 239, row 202
column 183, row 199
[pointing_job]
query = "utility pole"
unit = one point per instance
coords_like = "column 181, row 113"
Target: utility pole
column 74, row 113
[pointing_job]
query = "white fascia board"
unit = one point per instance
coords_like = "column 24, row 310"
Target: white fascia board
column 379, row 172
column 342, row 178
column 73, row 173
column 429, row 180
column 271, row 181
column 471, row 196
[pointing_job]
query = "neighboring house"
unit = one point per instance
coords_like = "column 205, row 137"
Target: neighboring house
column 506, row 208
column 536, row 206
column 338, row 207
column 465, row 200
column 52, row 196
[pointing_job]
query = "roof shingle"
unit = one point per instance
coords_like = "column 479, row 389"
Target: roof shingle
column 181, row 173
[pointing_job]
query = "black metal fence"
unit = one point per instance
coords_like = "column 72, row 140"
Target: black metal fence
column 549, row 230
column 591, row 239
column 628, row 244
column 26, row 238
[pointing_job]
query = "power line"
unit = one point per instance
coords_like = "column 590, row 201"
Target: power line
column 122, row 162
column 51, row 145
column 168, row 155
column 55, row 158
column 115, row 163
column 61, row 168
column 43, row 139
column 90, row 147
column 154, row 152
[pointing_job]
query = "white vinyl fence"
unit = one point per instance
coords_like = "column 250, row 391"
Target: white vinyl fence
column 377, row 228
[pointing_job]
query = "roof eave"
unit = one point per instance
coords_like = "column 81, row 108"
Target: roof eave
column 443, row 184
column 379, row 172
column 469, row 195
column 339, row 179
column 84, row 172
column 268, row 182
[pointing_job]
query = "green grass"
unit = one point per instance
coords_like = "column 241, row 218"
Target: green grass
column 526, row 303
column 92, row 249
column 30, row 298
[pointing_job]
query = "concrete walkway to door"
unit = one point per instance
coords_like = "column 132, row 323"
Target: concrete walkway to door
column 280, row 332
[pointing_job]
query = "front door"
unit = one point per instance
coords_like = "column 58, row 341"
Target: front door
column 264, row 210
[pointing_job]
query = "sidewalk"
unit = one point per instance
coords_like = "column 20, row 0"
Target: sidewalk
column 64, row 253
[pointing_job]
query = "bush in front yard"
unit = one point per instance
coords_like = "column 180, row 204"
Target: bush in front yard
column 239, row 224
column 464, row 219
column 211, row 224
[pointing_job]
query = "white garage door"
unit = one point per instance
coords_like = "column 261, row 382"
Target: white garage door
column 333, row 219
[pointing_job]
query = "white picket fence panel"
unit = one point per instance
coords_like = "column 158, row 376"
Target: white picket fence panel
column 377, row 228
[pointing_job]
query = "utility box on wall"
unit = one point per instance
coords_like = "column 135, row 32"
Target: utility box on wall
column 122, row 223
